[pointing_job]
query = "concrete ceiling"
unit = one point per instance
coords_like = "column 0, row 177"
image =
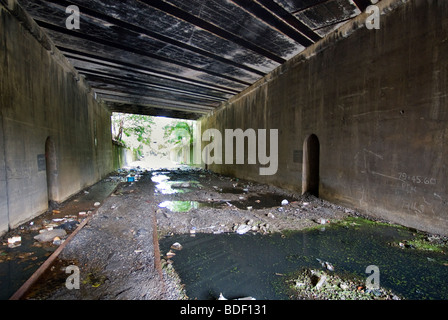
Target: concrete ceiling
column 182, row 58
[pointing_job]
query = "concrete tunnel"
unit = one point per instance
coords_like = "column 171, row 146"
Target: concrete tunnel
column 355, row 89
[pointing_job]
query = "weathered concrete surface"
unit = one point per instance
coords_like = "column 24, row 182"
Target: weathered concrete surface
column 42, row 97
column 376, row 100
column 121, row 155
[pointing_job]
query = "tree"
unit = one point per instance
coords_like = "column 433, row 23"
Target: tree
column 132, row 126
column 180, row 135
column 177, row 131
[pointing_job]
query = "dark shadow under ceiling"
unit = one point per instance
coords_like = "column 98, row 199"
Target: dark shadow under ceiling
column 181, row 58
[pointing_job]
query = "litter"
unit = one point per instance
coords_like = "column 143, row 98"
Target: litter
column 57, row 241
column 13, row 240
column 322, row 221
column 176, row 246
column 326, row 264
column 321, row 282
column 97, row 204
column 242, row 229
column 49, row 235
column 221, row 297
column 285, row 202
column 170, row 254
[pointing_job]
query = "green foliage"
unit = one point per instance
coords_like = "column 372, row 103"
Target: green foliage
column 177, row 130
column 132, row 125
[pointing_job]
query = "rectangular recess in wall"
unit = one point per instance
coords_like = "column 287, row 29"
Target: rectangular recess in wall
column 297, row 156
column 41, row 165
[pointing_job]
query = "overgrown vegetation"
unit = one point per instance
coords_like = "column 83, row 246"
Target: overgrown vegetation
column 179, row 134
column 179, row 131
column 127, row 126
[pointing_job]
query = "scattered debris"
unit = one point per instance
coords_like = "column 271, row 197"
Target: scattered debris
column 322, row 280
column 14, row 242
column 57, row 241
column 15, row 239
column 243, row 228
column 49, row 235
column 221, row 297
column 69, row 225
column 319, row 285
column 326, row 264
column 285, row 202
column 176, row 246
column 322, row 221
column 170, row 254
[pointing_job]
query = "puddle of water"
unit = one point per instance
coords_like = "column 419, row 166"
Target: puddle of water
column 185, row 206
column 232, row 190
column 248, row 265
column 255, row 202
column 166, row 186
column 19, row 263
column 163, row 185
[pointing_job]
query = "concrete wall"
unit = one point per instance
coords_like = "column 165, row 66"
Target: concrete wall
column 122, row 156
column 44, row 102
column 377, row 102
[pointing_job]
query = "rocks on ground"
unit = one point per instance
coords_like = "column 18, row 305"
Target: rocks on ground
column 312, row 284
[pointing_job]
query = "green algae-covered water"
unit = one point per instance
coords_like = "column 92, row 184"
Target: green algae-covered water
column 254, row 264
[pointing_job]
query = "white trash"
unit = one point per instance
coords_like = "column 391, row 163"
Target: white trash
column 242, row 229
column 14, row 239
column 176, row 246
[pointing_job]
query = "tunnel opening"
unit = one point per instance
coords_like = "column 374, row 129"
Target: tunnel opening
column 310, row 166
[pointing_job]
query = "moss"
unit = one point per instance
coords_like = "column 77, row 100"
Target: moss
column 95, row 279
column 423, row 244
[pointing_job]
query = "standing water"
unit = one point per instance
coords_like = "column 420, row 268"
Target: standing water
column 254, row 264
